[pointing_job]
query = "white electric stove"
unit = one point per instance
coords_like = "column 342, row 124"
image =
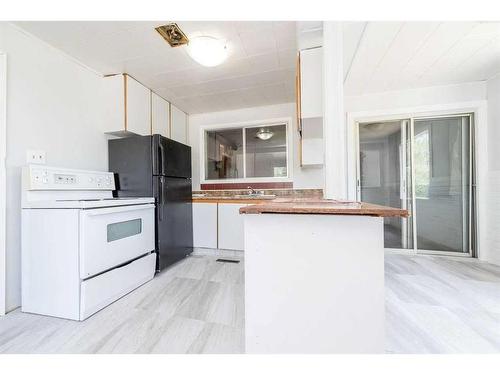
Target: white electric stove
column 81, row 248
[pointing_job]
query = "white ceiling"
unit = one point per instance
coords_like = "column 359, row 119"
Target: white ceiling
column 403, row 55
column 260, row 69
column 378, row 56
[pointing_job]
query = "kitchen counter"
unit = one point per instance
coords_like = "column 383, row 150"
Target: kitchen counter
column 314, row 276
column 240, row 195
column 322, row 206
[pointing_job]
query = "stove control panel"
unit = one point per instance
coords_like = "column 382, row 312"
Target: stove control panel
column 41, row 177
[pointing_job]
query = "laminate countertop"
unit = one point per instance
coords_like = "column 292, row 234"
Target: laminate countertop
column 322, row 206
column 231, row 199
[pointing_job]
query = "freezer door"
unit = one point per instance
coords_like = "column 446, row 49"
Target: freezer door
column 130, row 160
column 174, row 220
column 170, row 158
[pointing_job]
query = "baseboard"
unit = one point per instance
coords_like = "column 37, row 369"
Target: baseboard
column 218, row 252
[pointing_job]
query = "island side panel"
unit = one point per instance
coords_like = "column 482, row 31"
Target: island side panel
column 314, row 284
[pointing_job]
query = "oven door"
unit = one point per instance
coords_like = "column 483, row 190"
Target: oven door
column 114, row 235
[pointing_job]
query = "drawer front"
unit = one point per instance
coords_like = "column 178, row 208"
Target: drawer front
column 114, row 235
column 100, row 291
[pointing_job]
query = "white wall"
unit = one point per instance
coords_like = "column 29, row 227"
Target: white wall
column 53, row 105
column 467, row 97
column 493, row 191
column 302, row 177
column 3, row 148
column 427, row 96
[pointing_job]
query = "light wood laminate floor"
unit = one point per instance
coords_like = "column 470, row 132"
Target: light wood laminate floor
column 433, row 305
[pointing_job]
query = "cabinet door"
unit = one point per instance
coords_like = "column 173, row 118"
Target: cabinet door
column 178, row 131
column 113, row 94
column 160, row 115
column 138, row 107
column 311, row 81
column 230, row 226
column 312, row 141
column 205, row 225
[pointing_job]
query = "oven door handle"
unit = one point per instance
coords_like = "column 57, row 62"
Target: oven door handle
column 117, row 209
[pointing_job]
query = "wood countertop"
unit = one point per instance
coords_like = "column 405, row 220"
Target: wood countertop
column 322, row 206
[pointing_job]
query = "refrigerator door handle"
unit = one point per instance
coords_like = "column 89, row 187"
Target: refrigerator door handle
column 161, row 158
column 160, row 199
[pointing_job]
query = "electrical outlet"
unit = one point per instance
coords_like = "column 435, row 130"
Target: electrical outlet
column 35, row 157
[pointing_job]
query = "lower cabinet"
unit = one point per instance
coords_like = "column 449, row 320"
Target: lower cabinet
column 230, row 228
column 218, row 226
column 205, row 225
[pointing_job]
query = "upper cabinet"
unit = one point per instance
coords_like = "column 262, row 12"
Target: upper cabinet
column 311, row 81
column 128, row 108
column 132, row 108
column 310, row 106
column 160, row 115
column 178, row 125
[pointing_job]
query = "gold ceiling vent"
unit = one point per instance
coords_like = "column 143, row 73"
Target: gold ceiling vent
column 173, row 34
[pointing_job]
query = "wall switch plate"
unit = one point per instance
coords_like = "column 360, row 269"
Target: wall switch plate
column 35, row 157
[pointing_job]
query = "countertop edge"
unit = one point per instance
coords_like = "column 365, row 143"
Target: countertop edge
column 291, row 208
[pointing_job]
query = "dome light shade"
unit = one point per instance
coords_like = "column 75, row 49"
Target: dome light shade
column 207, row 50
column 264, row 134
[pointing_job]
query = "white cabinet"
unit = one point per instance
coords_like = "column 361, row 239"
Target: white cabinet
column 178, row 125
column 218, row 226
column 205, row 225
column 310, row 106
column 312, row 141
column 127, row 106
column 230, row 228
column 311, row 81
column 160, row 115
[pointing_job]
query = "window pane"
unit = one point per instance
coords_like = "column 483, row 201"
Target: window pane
column 117, row 231
column 266, row 151
column 224, row 154
column 422, row 162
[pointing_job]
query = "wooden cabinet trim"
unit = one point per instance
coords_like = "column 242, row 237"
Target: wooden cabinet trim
column 298, row 95
column 169, row 120
column 125, row 101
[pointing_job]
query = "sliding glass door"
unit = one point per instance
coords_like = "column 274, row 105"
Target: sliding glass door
column 425, row 166
column 442, row 166
column 384, row 175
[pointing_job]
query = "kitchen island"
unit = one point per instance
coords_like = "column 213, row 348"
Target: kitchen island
column 314, row 276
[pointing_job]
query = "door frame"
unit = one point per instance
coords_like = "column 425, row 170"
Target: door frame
column 479, row 111
column 3, row 180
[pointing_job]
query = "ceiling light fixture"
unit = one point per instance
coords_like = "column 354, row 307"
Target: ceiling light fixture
column 264, row 134
column 207, row 50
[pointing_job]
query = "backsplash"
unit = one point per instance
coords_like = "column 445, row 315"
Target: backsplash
column 292, row 193
column 245, row 185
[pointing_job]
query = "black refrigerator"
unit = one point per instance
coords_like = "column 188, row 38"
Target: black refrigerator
column 155, row 166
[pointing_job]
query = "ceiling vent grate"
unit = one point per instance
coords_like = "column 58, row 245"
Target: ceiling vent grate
column 173, row 34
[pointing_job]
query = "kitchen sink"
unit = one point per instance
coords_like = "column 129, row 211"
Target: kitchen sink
column 255, row 196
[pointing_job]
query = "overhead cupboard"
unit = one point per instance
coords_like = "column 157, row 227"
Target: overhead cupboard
column 160, row 115
column 309, row 91
column 179, row 123
column 132, row 108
